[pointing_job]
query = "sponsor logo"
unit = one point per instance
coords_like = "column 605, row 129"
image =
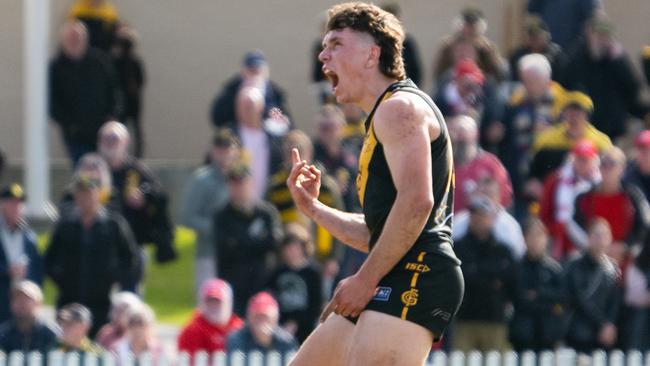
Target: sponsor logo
column 439, row 313
column 382, row 293
column 410, row 297
column 417, row 267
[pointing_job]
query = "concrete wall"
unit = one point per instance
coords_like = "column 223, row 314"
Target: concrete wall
column 191, row 47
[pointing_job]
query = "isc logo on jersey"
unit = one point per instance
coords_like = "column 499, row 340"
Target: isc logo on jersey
column 417, row 267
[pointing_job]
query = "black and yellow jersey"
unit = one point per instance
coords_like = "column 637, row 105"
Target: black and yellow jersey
column 377, row 191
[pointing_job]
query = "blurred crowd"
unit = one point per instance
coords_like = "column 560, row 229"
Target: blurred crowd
column 552, row 164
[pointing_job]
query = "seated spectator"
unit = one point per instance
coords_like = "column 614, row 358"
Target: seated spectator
column 565, row 19
column 489, row 271
column 594, row 294
column 25, row 332
column 551, row 146
column 122, row 305
column 506, row 228
column 141, row 338
column 635, row 325
column 19, row 257
column 101, row 19
column 261, row 332
column 206, row 192
column 212, row 322
column 75, row 321
column 254, row 73
column 638, row 168
column 537, row 40
column 624, row 207
column 249, row 233
column 539, row 307
column 603, row 70
column 142, row 200
column 297, row 284
column 472, row 164
column 578, row 175
column 91, row 249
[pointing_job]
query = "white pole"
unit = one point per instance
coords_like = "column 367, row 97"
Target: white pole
column 37, row 179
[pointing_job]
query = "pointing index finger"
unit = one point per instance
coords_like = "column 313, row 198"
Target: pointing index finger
column 295, row 156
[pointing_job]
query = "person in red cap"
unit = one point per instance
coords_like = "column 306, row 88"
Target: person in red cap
column 212, row 322
column 262, row 332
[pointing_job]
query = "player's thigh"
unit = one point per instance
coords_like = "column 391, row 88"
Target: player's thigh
column 385, row 340
column 327, row 345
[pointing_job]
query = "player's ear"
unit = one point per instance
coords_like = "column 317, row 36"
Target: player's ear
column 373, row 56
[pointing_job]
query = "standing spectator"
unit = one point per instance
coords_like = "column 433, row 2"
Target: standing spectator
column 261, row 332
column 537, row 40
column 638, row 170
column 142, row 201
column 297, row 284
column 635, row 325
column 91, row 249
column 141, row 338
column 602, row 69
column 101, row 19
column 594, row 293
column 25, row 332
column 565, row 18
column 206, row 192
column 122, row 306
column 249, row 233
column 539, row 308
column 83, row 91
column 254, row 73
column 551, row 146
column 472, row 164
column 131, row 76
column 490, row 273
column 19, row 257
column 212, row 322
column 76, row 321
column 409, row 50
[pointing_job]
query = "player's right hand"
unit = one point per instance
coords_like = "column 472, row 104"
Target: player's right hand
column 303, row 182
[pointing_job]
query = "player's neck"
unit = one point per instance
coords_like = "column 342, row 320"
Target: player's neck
column 373, row 90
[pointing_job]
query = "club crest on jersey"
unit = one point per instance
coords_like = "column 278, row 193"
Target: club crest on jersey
column 382, row 293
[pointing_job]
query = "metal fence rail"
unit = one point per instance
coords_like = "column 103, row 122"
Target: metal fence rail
column 562, row 357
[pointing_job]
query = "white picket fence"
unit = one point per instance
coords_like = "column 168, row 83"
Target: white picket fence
column 562, row 357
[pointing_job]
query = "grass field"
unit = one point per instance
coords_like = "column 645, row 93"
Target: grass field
column 169, row 288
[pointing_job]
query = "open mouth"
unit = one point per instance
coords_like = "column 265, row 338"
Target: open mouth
column 332, row 77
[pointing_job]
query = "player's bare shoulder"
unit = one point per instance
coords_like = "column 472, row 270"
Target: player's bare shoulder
column 405, row 113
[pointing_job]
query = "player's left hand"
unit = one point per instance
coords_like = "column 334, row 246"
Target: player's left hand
column 350, row 297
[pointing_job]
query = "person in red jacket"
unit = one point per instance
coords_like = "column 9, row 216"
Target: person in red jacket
column 212, row 322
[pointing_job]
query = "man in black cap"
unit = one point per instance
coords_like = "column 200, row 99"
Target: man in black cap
column 75, row 321
column 19, row 258
column 254, row 73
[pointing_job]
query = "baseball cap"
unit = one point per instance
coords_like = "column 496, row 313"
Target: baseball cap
column 13, row 190
column 74, row 313
column 29, row 289
column 263, row 303
column 469, row 69
column 482, row 204
column 224, row 137
column 215, row 289
column 471, row 14
column 579, row 100
column 254, row 58
column 643, row 139
column 585, row 149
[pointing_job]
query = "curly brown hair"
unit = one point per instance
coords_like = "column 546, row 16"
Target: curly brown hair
column 384, row 28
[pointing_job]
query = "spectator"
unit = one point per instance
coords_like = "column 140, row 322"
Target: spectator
column 624, row 207
column 254, row 73
column 142, row 201
column 101, row 19
column 297, row 284
column 409, row 50
column 261, row 332
column 25, row 332
column 249, row 232
column 594, row 294
column 469, row 33
column 578, row 175
column 550, row 147
column 537, row 40
column 206, row 192
column 131, row 77
column 635, row 329
column 489, row 271
column 565, row 19
column 83, row 91
column 76, row 321
column 506, row 228
column 19, row 257
column 354, row 130
column 141, row 338
column 603, row 70
column 261, row 150
column 123, row 305
column 212, row 322
column 638, row 169
column 472, row 164
column 539, row 308
column 91, row 249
